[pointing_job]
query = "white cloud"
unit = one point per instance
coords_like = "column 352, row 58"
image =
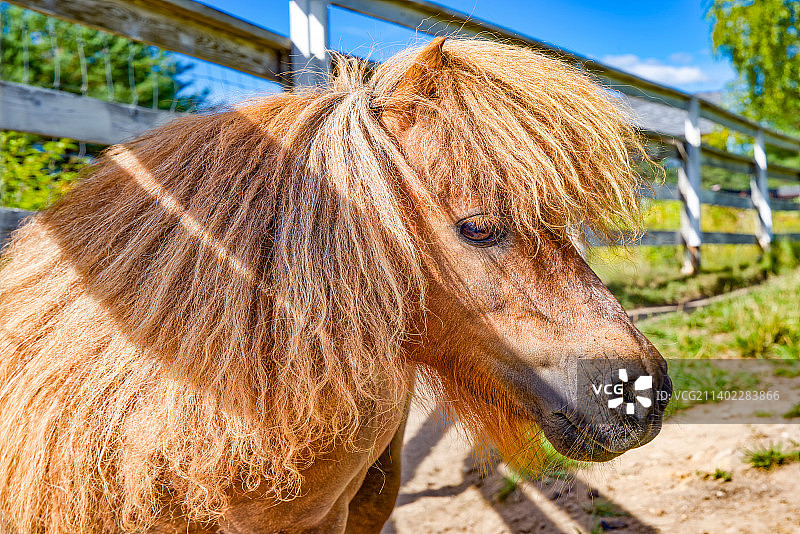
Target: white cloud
column 682, row 58
column 656, row 70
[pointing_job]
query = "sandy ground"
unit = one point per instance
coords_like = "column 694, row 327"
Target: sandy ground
column 660, row 487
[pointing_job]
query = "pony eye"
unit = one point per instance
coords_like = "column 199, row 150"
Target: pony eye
column 480, row 231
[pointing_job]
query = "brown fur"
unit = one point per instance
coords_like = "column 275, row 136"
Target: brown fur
column 224, row 299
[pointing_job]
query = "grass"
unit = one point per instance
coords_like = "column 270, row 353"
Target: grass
column 764, row 323
column 793, row 413
column 510, row 485
column 788, row 373
column 718, row 474
column 554, row 464
column 604, row 508
column 548, row 463
column 650, row 276
column 600, row 508
column 708, row 379
column 768, row 456
column 724, row 476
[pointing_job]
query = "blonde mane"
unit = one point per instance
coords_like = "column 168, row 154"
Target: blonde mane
column 223, row 299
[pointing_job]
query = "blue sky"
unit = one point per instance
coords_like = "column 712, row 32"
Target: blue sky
column 667, row 42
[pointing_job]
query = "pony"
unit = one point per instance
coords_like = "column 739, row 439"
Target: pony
column 221, row 327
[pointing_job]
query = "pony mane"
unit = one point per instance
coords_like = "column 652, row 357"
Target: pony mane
column 222, row 300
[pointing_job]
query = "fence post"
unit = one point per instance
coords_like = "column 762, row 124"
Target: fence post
column 689, row 189
column 308, row 31
column 759, row 193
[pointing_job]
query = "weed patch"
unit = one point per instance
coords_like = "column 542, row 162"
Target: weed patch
column 794, row 412
column 768, row 456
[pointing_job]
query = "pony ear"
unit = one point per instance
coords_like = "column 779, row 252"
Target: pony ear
column 416, row 83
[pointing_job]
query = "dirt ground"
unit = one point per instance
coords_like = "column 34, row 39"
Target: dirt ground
column 660, row 487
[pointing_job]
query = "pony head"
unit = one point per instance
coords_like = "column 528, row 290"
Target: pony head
column 520, row 156
column 222, row 300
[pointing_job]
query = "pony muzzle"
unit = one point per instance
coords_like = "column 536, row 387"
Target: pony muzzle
column 602, row 422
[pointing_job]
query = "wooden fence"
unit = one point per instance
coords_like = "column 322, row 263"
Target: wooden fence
column 196, row 30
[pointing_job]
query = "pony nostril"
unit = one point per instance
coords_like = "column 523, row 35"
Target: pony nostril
column 640, row 404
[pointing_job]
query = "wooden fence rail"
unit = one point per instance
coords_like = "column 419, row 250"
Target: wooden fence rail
column 197, row 30
column 60, row 114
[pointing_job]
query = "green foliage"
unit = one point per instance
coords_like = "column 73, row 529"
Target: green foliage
column 551, row 463
column 548, row 464
column 665, row 214
column 600, row 508
column 762, row 41
column 783, row 256
column 772, row 455
column 714, row 176
column 34, row 171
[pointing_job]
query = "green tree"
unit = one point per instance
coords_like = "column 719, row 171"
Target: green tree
column 47, row 52
column 36, row 171
column 761, row 38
